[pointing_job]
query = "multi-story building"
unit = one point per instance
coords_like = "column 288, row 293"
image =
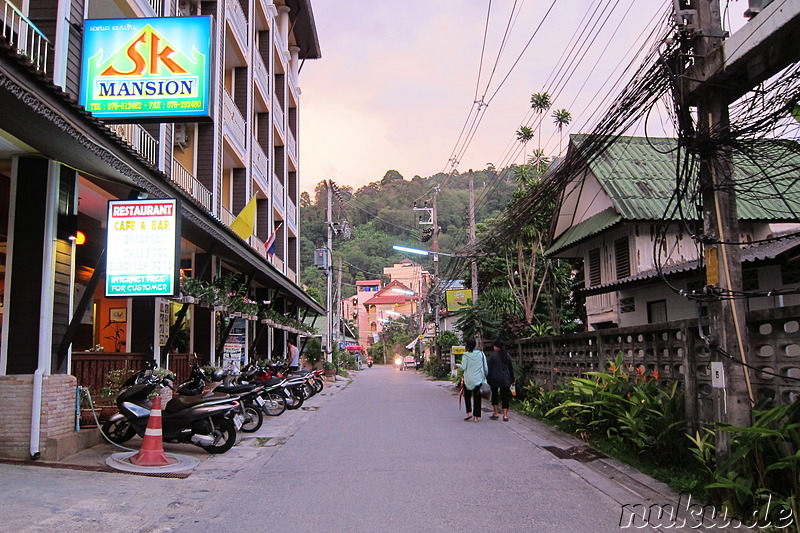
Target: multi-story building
column 60, row 166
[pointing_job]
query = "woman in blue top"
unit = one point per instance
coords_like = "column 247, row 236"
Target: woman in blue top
column 473, row 363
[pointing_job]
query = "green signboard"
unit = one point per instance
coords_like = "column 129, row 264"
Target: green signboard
column 147, row 69
column 142, row 248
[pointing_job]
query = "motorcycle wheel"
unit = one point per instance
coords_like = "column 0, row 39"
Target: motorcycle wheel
column 118, row 430
column 319, row 384
column 309, row 390
column 224, row 435
column 293, row 401
column 274, row 404
column 252, row 419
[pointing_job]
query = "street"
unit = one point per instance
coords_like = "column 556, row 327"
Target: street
column 387, row 452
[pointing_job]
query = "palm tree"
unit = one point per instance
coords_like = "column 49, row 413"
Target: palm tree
column 540, row 102
column 539, row 162
column 524, row 134
column 561, row 118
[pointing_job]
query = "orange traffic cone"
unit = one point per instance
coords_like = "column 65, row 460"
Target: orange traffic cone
column 152, row 451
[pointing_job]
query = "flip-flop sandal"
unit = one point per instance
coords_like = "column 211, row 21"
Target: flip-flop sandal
column 505, row 419
column 468, row 418
column 494, row 417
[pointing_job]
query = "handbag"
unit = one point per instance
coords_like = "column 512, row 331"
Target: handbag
column 486, row 390
column 513, row 390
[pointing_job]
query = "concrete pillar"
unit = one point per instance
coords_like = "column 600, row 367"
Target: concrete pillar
column 283, row 26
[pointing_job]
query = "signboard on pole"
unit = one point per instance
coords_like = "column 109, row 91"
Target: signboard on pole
column 456, row 299
column 143, row 69
column 142, row 248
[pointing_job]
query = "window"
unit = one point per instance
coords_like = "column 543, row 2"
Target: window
column 627, row 305
column 656, row 311
column 594, row 267
column 750, row 280
column 622, row 256
column 790, row 273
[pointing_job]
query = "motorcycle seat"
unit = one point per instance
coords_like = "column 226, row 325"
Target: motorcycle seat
column 269, row 382
column 234, row 389
column 178, row 403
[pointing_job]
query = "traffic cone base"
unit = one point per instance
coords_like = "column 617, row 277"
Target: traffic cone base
column 152, row 451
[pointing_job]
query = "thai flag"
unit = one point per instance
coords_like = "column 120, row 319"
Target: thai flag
column 270, row 242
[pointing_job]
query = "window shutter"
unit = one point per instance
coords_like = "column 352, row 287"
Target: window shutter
column 594, row 267
column 622, row 255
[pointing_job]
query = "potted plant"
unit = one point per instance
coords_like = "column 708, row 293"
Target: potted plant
column 107, row 401
column 89, row 414
column 329, row 368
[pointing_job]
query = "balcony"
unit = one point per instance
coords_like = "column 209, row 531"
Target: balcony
column 291, row 144
column 277, row 114
column 157, row 6
column 258, row 245
column 277, row 194
column 260, row 167
column 238, row 22
column 291, row 214
column 141, row 141
column 186, row 181
column 226, row 216
column 261, row 76
column 233, row 123
column 20, row 33
column 291, row 274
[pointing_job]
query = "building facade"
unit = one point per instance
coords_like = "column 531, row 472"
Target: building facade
column 60, row 166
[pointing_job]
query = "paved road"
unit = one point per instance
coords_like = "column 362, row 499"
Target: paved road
column 389, row 452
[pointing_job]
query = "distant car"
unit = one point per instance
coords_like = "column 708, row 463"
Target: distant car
column 410, row 362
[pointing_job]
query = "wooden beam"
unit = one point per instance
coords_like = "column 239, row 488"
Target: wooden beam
column 763, row 47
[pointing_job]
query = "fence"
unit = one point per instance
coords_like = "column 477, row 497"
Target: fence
column 92, row 368
column 679, row 353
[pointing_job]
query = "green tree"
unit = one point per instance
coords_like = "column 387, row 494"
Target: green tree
column 524, row 134
column 540, row 102
column 561, row 118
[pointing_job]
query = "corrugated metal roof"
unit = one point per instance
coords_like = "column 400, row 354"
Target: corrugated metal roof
column 638, row 174
column 592, row 225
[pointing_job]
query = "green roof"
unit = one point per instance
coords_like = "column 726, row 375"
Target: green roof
column 638, row 174
column 592, row 225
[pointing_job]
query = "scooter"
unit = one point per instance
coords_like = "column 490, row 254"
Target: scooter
column 369, row 361
column 205, row 420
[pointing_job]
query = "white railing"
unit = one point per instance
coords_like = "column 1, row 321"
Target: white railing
column 261, row 75
column 291, row 144
column 186, row 181
column 258, row 245
column 138, row 138
column 233, row 120
column 157, row 6
column 259, row 164
column 226, row 216
column 24, row 36
column 277, row 113
column 238, row 22
column 291, row 213
column 277, row 262
column 291, row 274
column 277, row 193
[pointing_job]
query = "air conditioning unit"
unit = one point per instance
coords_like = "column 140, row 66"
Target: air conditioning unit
column 181, row 136
column 187, row 8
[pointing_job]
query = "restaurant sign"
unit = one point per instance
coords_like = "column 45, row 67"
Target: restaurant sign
column 147, row 69
column 142, row 248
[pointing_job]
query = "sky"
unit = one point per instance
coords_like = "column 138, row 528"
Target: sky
column 398, row 80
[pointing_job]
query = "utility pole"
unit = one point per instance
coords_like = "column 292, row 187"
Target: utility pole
column 329, row 273
column 472, row 237
column 728, row 338
column 437, row 299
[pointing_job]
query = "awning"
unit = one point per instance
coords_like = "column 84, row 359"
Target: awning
column 354, row 348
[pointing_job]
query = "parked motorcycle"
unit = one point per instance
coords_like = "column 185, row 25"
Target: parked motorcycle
column 205, row 420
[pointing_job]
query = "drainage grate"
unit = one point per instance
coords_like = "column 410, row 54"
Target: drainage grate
column 93, row 468
column 583, row 454
column 310, row 408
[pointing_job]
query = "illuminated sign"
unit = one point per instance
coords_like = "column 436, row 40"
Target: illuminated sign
column 142, row 248
column 147, row 69
column 457, row 299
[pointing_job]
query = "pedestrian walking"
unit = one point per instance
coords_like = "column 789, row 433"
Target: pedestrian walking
column 473, row 363
column 294, row 355
column 501, row 376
